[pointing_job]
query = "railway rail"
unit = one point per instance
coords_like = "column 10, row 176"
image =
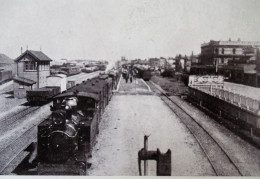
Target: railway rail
column 7, row 121
column 12, row 149
column 221, row 163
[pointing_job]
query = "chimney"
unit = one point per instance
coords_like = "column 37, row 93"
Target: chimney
column 21, row 50
column 229, row 39
column 238, row 40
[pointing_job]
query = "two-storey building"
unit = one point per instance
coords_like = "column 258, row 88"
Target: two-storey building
column 33, row 67
column 225, row 52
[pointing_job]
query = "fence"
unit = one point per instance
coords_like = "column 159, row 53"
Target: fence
column 232, row 97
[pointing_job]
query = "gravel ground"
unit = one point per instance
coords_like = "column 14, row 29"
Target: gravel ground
column 125, row 122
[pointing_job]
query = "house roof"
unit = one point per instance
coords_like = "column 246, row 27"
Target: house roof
column 5, row 59
column 37, row 55
column 24, row 80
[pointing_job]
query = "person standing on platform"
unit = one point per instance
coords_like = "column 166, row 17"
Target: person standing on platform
column 127, row 76
column 131, row 75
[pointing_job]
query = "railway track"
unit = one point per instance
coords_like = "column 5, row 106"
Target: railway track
column 16, row 137
column 218, row 158
column 7, row 122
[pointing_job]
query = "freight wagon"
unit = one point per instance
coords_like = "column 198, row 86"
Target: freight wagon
column 42, row 95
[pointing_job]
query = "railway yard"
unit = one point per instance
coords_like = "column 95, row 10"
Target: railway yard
column 200, row 146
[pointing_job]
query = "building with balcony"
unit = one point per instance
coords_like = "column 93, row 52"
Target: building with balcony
column 227, row 52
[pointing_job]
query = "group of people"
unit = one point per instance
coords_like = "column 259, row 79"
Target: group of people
column 128, row 74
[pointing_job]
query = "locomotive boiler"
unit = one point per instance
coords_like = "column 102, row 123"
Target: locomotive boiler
column 67, row 136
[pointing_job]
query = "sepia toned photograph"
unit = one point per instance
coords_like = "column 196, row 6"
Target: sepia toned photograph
column 130, row 88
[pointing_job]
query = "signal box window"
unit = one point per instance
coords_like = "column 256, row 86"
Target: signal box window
column 30, row 66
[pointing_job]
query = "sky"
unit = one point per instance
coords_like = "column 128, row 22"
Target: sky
column 109, row 29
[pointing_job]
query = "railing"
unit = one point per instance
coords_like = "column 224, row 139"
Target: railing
column 227, row 95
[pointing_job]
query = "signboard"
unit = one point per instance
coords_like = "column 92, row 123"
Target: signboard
column 206, row 80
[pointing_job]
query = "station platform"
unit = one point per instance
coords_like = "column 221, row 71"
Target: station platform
column 137, row 86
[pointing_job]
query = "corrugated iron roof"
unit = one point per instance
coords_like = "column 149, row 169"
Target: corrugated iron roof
column 24, row 80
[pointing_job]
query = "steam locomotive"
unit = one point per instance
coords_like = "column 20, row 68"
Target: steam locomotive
column 66, row 137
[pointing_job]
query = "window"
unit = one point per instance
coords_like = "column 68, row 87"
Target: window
column 234, row 51
column 216, row 50
column 222, row 51
column 45, row 66
column 30, row 66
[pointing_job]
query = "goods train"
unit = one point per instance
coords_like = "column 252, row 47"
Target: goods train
column 5, row 75
column 66, row 137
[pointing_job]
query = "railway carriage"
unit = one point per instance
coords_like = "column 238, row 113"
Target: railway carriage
column 42, row 95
